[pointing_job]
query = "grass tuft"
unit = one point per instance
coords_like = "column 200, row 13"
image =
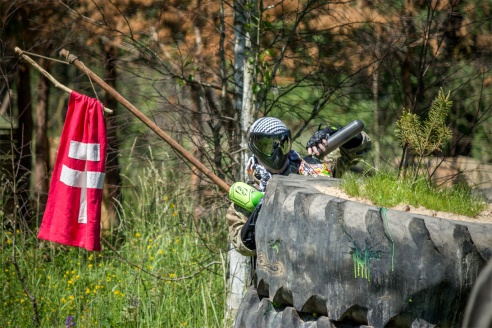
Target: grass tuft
column 384, row 189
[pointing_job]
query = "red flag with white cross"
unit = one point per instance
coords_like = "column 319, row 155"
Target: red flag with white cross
column 73, row 212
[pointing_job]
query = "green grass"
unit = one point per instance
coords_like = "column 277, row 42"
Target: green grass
column 160, row 273
column 384, row 189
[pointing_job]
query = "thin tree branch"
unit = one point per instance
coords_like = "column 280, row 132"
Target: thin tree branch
column 48, row 75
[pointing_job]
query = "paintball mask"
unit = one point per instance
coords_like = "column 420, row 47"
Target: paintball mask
column 270, row 142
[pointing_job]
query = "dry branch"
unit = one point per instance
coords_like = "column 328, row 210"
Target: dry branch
column 48, row 75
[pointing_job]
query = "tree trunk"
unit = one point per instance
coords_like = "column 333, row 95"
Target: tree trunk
column 244, row 107
column 240, row 21
column 23, row 167
column 113, row 179
column 197, row 97
column 197, row 145
column 6, row 102
column 375, row 87
column 248, row 105
column 42, row 161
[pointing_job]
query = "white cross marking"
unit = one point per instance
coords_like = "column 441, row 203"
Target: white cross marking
column 83, row 179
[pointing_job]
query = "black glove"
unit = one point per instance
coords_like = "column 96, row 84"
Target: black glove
column 319, row 135
column 248, row 230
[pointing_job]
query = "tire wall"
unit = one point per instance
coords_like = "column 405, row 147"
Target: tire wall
column 350, row 262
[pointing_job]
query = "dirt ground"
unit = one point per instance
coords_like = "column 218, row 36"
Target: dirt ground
column 484, row 217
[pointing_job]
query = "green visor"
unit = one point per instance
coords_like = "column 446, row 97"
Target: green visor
column 271, row 149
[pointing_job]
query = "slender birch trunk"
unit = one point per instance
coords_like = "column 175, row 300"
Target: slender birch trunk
column 239, row 266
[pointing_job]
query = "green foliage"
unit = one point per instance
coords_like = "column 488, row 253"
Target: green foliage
column 161, row 273
column 386, row 190
column 425, row 137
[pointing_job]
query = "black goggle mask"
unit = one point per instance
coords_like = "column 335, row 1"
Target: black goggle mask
column 268, row 146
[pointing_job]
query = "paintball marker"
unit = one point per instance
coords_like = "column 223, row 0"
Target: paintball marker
column 248, row 197
column 343, row 135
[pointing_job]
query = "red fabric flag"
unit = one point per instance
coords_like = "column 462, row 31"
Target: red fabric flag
column 73, row 212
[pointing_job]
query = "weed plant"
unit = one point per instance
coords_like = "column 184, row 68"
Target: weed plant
column 422, row 137
column 156, row 270
column 386, row 190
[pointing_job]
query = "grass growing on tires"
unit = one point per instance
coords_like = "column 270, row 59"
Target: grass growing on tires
column 386, row 190
column 163, row 273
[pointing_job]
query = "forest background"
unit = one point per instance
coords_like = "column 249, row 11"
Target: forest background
column 203, row 71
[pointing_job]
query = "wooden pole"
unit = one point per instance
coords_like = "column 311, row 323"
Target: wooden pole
column 141, row 116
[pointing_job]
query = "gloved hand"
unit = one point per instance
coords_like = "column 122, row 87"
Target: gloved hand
column 248, row 230
column 317, row 142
